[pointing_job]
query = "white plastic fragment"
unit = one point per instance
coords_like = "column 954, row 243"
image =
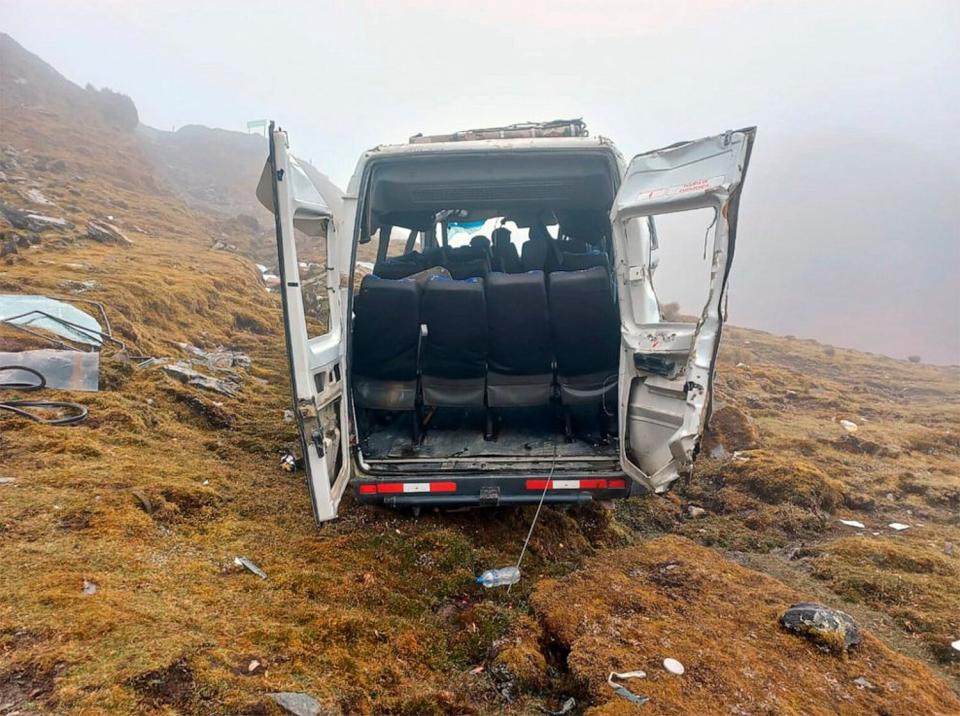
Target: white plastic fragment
column 89, row 587
column 673, row 666
column 249, row 566
column 898, row 526
column 849, row 426
column 863, row 683
column 622, row 690
column 853, row 523
column 7, row 480
column 252, row 666
column 955, row 645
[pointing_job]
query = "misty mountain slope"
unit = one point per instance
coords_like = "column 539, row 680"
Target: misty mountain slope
column 826, row 250
column 118, row 536
column 212, row 169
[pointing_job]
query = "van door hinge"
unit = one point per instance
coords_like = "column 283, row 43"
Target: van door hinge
column 317, row 437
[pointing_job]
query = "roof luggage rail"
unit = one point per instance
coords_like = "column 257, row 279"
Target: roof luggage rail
column 554, row 128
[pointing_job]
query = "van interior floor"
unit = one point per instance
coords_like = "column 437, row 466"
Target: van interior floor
column 453, row 433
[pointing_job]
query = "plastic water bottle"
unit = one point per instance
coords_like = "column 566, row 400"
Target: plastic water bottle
column 499, row 577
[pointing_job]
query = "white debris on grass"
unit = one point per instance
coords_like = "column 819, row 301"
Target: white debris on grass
column 898, row 526
column 250, row 566
column 853, row 523
column 673, row 666
column 849, row 426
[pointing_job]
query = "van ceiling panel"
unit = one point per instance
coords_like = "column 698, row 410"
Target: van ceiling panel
column 573, row 180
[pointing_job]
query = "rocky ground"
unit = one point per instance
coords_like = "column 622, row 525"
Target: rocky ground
column 118, row 535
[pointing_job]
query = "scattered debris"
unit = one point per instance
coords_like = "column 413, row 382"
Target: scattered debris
column 622, row 690
column 249, row 566
column 693, row 512
column 849, row 426
column 830, row 629
column 863, row 683
column 66, row 370
column 89, row 587
column 288, row 416
column 58, row 317
column 296, row 703
column 502, row 577
column 565, row 708
column 106, row 233
column 955, row 645
column 217, row 358
column 7, row 480
column 185, row 374
column 253, row 666
column 673, row 666
column 898, row 526
column 288, row 462
column 853, row 523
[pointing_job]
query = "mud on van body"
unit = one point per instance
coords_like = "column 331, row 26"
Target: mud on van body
column 493, row 330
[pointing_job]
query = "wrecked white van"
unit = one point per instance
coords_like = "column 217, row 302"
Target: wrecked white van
column 494, row 335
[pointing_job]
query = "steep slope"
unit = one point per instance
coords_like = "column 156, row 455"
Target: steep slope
column 118, row 536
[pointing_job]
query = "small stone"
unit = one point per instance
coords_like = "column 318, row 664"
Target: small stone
column 89, row 587
column 863, row 683
column 694, row 512
column 7, row 480
column 252, row 666
column 296, row 703
column 849, row 426
column 948, row 549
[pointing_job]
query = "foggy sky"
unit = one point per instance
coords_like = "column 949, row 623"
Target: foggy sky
column 849, row 220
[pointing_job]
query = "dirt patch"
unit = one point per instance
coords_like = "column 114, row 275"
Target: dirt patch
column 731, row 429
column 174, row 685
column 720, row 620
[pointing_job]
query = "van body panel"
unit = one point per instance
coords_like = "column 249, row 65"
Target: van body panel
column 666, row 368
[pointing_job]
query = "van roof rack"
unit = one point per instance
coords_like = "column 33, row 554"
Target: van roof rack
column 554, row 128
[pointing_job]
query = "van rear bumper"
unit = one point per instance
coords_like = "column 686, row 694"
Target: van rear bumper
column 478, row 490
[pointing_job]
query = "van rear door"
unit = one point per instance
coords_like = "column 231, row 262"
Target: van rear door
column 666, row 368
column 302, row 199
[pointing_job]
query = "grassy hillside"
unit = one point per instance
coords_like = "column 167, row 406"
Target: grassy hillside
column 154, row 495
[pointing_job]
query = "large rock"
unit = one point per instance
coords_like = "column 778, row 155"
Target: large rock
column 830, row 629
column 20, row 219
column 107, row 233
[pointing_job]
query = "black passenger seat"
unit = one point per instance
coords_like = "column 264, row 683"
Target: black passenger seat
column 520, row 359
column 386, row 334
column 586, row 337
column 454, row 351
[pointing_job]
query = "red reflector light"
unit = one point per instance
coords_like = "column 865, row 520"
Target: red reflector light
column 586, row 484
column 617, row 484
column 388, row 488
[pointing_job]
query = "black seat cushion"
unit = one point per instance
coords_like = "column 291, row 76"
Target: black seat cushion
column 386, row 328
column 455, row 314
column 585, row 321
column 519, row 322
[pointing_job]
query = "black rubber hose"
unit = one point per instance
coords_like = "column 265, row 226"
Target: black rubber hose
column 18, row 407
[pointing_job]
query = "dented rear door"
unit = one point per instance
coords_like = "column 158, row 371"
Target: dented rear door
column 302, row 199
column 666, row 368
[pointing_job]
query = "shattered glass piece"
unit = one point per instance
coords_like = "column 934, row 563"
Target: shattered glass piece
column 249, row 566
column 17, row 305
column 66, row 370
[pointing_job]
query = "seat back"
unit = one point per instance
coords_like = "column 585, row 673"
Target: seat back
column 467, row 262
column 505, row 256
column 453, row 353
column 578, row 262
column 386, row 334
column 585, row 323
column 520, row 358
